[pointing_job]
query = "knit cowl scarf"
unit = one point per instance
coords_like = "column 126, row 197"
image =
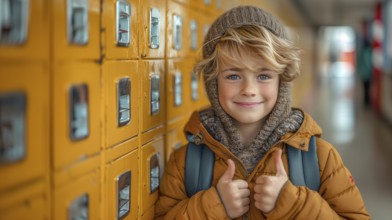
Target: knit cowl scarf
column 280, row 121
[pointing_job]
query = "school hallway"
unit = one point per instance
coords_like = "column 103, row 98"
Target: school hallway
column 362, row 138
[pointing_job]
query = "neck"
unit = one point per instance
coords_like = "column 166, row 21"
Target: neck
column 248, row 132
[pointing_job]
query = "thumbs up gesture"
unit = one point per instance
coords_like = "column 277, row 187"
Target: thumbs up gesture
column 267, row 188
column 233, row 193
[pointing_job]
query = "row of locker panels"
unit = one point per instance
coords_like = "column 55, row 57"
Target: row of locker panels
column 85, row 117
column 115, row 186
column 123, row 194
column 130, row 29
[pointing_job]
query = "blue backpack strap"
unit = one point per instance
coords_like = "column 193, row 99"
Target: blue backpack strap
column 304, row 167
column 199, row 166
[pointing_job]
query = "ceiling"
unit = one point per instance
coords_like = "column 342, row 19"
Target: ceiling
column 335, row 12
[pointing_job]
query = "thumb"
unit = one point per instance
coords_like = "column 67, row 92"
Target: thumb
column 280, row 171
column 229, row 173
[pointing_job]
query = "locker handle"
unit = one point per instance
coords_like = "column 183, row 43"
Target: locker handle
column 123, row 21
column 14, row 15
column 77, row 22
column 154, row 28
column 177, row 32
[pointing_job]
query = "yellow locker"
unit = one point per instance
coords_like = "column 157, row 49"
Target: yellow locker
column 79, row 199
column 121, row 93
column 153, row 94
column 152, row 162
column 32, row 208
column 175, row 137
column 194, row 31
column 24, row 30
column 177, row 42
column 178, row 91
column 120, row 25
column 24, row 122
column 76, row 112
column 76, row 29
column 121, row 187
column 121, row 149
column 27, row 202
column 152, row 28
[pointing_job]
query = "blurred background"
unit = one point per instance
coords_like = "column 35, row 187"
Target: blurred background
column 94, row 95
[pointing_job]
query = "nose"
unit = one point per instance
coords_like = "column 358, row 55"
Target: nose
column 248, row 88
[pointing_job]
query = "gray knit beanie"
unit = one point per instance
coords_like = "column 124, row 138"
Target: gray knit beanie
column 234, row 18
column 237, row 17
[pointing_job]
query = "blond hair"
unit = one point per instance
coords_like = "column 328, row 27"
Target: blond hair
column 279, row 53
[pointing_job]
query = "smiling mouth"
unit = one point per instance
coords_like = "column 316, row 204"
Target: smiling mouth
column 248, row 104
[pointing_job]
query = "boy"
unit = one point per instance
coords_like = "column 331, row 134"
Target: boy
column 247, row 65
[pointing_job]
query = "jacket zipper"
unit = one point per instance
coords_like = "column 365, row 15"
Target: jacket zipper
column 229, row 155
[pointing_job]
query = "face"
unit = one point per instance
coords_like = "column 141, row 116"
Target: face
column 247, row 89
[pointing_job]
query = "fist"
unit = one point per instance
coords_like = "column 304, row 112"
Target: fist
column 267, row 188
column 233, row 193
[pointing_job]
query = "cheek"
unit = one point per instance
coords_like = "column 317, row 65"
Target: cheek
column 225, row 91
column 271, row 93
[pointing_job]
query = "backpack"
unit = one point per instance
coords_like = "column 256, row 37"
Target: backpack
column 199, row 166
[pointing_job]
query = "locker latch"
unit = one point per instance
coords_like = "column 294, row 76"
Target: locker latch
column 154, row 172
column 79, row 112
column 78, row 208
column 124, row 101
column 154, row 28
column 14, row 16
column 177, row 32
column 177, row 89
column 195, row 86
column 77, row 22
column 123, row 189
column 155, row 94
column 12, row 127
column 123, row 20
column 194, row 40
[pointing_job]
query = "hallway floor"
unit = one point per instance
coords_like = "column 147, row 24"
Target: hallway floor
column 363, row 139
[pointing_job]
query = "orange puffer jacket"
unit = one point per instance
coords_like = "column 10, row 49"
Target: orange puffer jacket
column 338, row 196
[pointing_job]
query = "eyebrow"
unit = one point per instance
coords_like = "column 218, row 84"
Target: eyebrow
column 240, row 69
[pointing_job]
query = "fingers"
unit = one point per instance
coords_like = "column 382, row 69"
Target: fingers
column 280, row 171
column 230, row 171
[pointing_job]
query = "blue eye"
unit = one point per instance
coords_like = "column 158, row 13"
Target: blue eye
column 233, row 77
column 263, row 77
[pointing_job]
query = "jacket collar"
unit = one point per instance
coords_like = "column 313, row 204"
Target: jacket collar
column 299, row 139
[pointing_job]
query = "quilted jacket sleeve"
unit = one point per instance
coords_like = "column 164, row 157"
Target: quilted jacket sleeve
column 173, row 202
column 338, row 197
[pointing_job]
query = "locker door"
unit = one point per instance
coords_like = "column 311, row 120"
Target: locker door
column 31, row 208
column 121, row 187
column 152, row 170
column 79, row 199
column 120, row 22
column 27, row 202
column 177, row 22
column 24, row 30
column 153, row 90
column 76, row 29
column 153, row 28
column 121, row 92
column 76, row 112
column 178, row 89
column 175, row 137
column 24, row 122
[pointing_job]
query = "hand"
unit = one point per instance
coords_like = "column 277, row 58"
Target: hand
column 267, row 188
column 233, row 193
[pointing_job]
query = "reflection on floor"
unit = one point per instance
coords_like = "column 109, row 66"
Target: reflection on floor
column 363, row 139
